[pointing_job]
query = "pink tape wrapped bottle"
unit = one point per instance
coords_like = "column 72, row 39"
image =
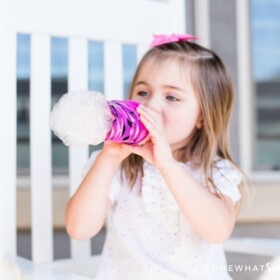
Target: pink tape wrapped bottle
column 82, row 118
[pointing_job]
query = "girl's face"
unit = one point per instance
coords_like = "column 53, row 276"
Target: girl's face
column 165, row 89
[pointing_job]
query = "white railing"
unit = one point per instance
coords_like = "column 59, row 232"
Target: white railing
column 112, row 22
column 40, row 143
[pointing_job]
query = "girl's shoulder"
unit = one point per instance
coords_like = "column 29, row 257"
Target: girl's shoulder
column 224, row 174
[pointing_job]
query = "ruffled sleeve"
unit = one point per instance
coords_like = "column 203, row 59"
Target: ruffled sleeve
column 116, row 182
column 227, row 179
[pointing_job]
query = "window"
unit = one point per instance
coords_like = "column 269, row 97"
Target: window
column 96, row 66
column 129, row 66
column 96, row 73
column 59, row 86
column 265, row 27
column 23, row 89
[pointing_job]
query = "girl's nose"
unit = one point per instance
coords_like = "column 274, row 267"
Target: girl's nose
column 154, row 103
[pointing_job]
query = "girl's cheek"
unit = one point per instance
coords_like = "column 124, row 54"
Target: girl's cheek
column 166, row 119
column 141, row 101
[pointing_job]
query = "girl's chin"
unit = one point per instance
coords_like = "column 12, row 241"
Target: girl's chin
column 178, row 145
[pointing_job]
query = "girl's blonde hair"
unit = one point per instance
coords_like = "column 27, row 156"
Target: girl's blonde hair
column 213, row 87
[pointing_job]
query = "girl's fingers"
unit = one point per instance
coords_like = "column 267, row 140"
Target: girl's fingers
column 151, row 119
column 151, row 128
column 143, row 150
column 138, row 150
column 151, row 115
column 147, row 139
column 156, row 135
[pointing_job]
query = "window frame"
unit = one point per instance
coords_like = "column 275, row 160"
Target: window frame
column 247, row 124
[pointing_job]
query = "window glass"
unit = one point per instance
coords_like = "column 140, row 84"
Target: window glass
column 23, row 100
column 96, row 73
column 59, row 86
column 129, row 66
column 96, row 66
column 265, row 26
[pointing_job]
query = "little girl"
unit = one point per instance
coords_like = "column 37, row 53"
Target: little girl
column 171, row 200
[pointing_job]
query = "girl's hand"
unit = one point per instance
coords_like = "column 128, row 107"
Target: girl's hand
column 116, row 151
column 157, row 149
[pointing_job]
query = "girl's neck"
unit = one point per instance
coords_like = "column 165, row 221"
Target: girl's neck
column 180, row 154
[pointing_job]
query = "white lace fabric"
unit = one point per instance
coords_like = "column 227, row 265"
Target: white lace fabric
column 149, row 238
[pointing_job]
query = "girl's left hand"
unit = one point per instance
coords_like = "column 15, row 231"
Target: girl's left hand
column 156, row 150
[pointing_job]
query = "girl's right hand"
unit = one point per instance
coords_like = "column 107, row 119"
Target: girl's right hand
column 117, row 151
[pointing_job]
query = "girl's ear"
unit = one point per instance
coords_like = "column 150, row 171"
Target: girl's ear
column 199, row 123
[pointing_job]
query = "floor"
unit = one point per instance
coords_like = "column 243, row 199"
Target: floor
column 241, row 266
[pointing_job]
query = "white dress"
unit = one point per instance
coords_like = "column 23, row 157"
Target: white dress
column 148, row 238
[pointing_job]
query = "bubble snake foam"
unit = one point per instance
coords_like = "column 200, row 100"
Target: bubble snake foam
column 82, row 118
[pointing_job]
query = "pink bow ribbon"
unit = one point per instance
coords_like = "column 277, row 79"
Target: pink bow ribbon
column 164, row 39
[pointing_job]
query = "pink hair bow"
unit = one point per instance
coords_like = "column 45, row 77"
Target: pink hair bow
column 164, row 39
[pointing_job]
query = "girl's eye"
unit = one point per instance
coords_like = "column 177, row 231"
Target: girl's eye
column 142, row 93
column 172, row 98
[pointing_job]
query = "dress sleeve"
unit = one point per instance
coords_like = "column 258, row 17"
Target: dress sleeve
column 116, row 182
column 227, row 179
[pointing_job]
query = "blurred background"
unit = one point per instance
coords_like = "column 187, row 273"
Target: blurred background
column 258, row 154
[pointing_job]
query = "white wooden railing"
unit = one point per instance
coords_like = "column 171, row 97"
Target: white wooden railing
column 112, row 22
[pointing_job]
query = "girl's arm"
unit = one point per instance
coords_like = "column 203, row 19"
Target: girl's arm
column 212, row 217
column 86, row 211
